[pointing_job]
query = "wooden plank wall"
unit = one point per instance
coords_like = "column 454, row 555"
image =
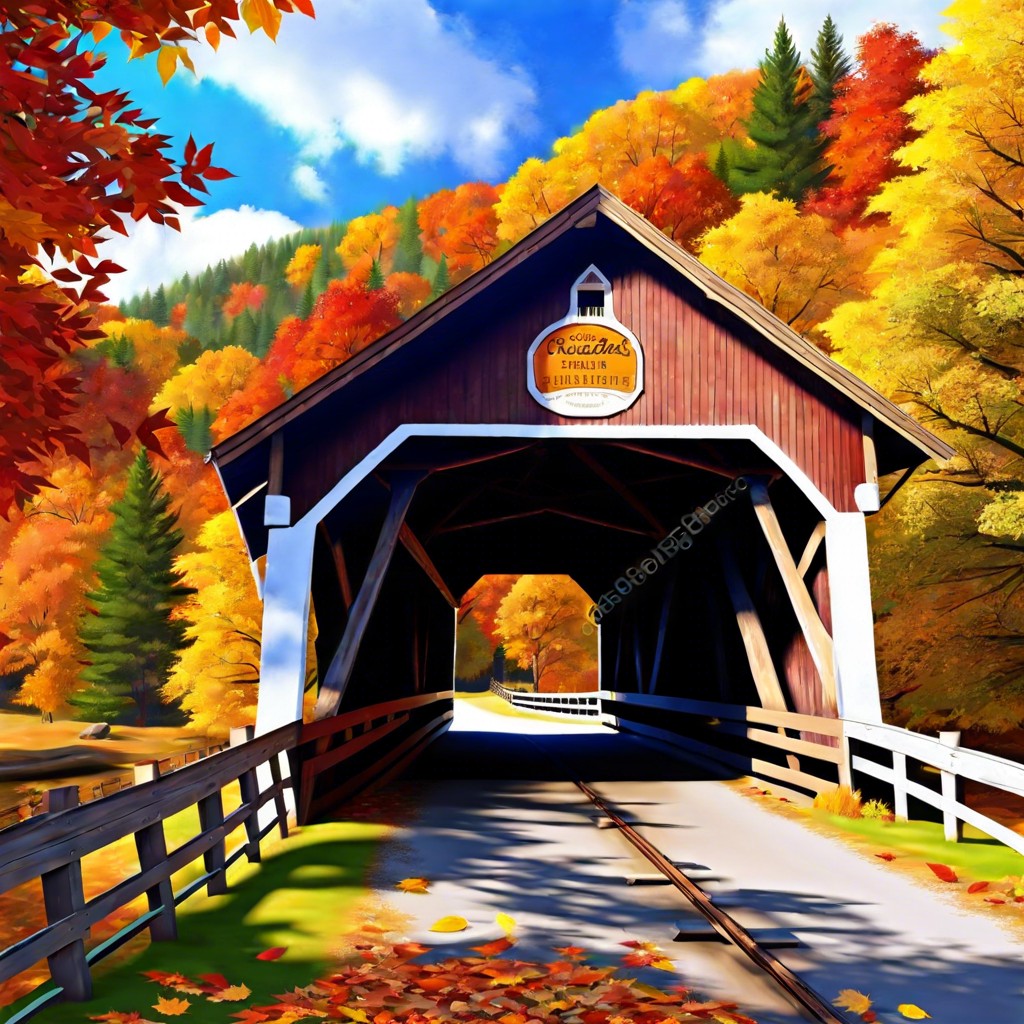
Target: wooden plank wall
column 700, row 369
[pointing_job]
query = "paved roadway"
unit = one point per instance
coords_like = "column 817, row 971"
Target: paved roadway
column 501, row 830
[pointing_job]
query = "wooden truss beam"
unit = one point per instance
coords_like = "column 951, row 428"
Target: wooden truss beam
column 685, row 460
column 469, row 460
column 811, row 549
column 455, row 527
column 818, row 641
column 340, row 568
column 335, row 681
column 762, row 668
column 618, row 487
column 418, row 552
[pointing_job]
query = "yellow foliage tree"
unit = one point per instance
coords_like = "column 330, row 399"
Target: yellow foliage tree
column 216, row 679
column 369, row 238
column 792, row 263
column 301, row 266
column 208, row 382
column 50, row 546
column 542, row 624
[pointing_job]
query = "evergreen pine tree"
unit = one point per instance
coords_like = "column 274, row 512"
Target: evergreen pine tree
column 786, row 158
column 160, row 312
column 409, row 253
column 321, row 273
column 375, row 281
column 251, row 264
column 146, row 306
column 195, row 427
column 244, row 329
column 441, row 280
column 721, row 168
column 132, row 638
column 829, row 65
column 265, row 328
column 305, row 304
column 221, row 280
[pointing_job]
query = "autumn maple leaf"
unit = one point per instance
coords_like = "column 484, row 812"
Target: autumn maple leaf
column 171, row 1007
column 418, row 885
column 852, row 1000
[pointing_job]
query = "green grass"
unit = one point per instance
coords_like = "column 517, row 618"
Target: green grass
column 977, row 858
column 300, row 897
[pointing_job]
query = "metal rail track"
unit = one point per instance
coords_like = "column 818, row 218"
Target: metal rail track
column 730, row 930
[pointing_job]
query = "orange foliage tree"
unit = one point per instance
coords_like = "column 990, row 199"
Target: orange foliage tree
column 462, row 225
column 77, row 163
column 369, row 238
column 869, row 124
column 243, row 296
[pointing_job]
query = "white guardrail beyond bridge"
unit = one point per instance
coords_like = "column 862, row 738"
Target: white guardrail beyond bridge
column 809, row 753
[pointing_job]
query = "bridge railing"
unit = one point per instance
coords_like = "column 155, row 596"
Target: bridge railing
column 803, row 751
column 955, row 764
column 812, row 754
column 573, row 705
column 51, row 847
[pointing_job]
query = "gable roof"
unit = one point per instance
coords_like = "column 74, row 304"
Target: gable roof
column 582, row 212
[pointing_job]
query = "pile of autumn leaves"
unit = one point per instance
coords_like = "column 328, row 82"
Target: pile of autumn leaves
column 386, row 985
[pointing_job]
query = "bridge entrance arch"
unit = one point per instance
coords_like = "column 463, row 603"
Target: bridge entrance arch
column 666, row 442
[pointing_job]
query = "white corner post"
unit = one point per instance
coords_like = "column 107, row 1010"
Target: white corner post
column 286, row 598
column 853, row 629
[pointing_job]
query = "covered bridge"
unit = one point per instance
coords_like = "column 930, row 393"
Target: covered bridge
column 564, row 410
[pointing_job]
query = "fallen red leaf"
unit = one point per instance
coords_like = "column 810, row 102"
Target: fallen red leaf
column 274, row 953
column 944, row 872
column 989, row 899
column 977, row 887
column 886, row 856
column 493, row 948
column 869, row 1017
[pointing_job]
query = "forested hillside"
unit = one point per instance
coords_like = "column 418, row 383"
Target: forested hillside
column 870, row 199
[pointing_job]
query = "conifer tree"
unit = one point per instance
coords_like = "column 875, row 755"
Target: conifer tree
column 409, row 253
column 375, row 281
column 304, row 306
column 441, row 280
column 195, row 427
column 829, row 66
column 132, row 637
column 160, row 312
column 786, row 158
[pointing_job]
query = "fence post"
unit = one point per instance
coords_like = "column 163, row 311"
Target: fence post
column 952, row 793
column 279, row 802
column 62, row 897
column 899, row 786
column 250, row 790
column 211, row 816
column 151, row 845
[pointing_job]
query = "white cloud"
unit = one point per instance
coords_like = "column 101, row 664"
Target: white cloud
column 394, row 79
column 153, row 255
column 654, row 39
column 739, row 31
column 309, row 184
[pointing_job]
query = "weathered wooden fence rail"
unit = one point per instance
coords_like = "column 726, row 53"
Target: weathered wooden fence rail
column 51, row 847
column 810, row 753
column 94, row 789
column 341, row 751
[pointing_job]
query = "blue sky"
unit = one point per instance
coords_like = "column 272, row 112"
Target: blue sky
column 377, row 100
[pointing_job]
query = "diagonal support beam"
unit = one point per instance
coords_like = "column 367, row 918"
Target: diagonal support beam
column 617, row 486
column 818, row 641
column 336, row 678
column 811, row 549
column 419, row 553
column 762, row 668
column 340, row 568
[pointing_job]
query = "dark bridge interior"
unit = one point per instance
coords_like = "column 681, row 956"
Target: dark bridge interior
column 586, row 509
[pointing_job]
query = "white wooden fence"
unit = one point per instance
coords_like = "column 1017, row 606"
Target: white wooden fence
column 809, row 753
